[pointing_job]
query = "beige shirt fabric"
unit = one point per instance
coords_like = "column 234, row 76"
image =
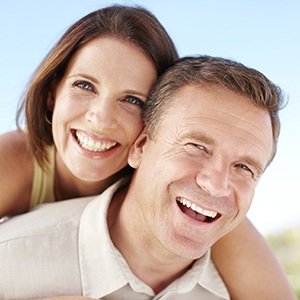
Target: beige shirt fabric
column 64, row 248
column 43, row 180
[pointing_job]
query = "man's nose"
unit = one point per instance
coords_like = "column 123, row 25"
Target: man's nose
column 213, row 178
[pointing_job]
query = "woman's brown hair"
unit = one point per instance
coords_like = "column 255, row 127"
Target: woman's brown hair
column 133, row 24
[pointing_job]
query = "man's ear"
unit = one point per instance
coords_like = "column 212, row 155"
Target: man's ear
column 137, row 149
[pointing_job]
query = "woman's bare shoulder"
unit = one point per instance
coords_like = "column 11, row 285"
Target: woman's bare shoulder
column 16, row 174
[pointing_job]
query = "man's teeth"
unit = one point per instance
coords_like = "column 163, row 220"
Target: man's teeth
column 193, row 206
column 92, row 145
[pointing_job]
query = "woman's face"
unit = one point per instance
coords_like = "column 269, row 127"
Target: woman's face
column 97, row 106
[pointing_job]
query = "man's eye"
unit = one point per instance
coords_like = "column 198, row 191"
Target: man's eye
column 135, row 101
column 196, row 147
column 245, row 168
column 200, row 147
column 84, row 85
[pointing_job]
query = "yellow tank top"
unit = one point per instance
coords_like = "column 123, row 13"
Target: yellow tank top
column 43, row 181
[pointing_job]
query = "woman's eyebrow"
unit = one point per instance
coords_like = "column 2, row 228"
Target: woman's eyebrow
column 89, row 77
column 136, row 93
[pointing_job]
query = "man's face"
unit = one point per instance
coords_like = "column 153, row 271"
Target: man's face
column 195, row 180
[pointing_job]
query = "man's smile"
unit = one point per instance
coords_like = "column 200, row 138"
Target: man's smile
column 196, row 212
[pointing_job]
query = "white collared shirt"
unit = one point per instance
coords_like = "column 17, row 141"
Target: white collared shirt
column 70, row 252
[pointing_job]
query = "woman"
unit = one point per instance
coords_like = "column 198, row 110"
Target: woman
column 83, row 112
column 134, row 30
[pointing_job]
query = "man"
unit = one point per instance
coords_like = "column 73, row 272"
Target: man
column 211, row 129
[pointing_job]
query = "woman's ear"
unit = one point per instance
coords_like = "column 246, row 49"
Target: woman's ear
column 137, row 149
column 51, row 98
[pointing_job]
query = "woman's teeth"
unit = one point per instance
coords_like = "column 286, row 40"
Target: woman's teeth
column 92, row 145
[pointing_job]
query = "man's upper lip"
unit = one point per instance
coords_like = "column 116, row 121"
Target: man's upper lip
column 197, row 208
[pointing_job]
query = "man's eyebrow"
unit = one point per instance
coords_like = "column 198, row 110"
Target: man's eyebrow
column 201, row 137
column 197, row 136
column 255, row 163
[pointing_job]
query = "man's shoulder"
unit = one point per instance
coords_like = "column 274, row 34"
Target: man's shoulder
column 45, row 219
column 38, row 249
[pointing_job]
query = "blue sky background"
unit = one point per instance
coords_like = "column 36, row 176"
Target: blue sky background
column 264, row 34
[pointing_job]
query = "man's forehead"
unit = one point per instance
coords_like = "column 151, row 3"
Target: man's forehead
column 221, row 113
column 203, row 98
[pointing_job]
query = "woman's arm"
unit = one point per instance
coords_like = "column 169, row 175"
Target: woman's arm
column 70, row 298
column 248, row 266
column 16, row 173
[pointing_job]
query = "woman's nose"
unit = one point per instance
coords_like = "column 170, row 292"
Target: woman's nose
column 102, row 114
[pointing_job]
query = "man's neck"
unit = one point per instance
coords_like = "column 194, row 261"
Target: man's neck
column 148, row 260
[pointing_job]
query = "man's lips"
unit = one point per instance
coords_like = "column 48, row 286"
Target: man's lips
column 196, row 212
column 91, row 144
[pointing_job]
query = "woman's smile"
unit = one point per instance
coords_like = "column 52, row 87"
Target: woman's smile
column 94, row 144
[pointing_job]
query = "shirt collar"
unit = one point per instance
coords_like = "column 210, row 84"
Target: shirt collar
column 100, row 270
column 104, row 270
column 202, row 273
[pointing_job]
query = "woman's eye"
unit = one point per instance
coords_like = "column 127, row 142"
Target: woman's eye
column 84, row 85
column 135, row 101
